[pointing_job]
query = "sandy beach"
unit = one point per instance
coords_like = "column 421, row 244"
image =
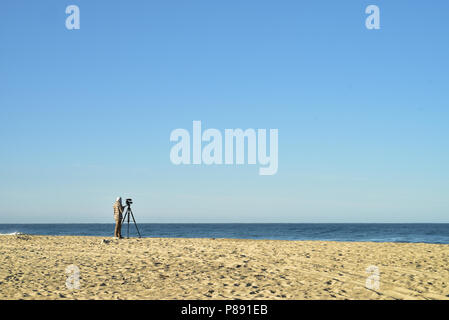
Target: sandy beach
column 34, row 267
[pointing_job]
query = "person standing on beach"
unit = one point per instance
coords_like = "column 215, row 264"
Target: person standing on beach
column 118, row 211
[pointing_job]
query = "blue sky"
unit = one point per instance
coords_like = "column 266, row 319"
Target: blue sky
column 87, row 114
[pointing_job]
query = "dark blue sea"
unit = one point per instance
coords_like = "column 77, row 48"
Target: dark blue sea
column 426, row 233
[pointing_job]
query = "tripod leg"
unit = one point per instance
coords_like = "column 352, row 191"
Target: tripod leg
column 128, row 225
column 135, row 224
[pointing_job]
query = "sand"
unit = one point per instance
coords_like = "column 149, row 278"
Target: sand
column 34, row 267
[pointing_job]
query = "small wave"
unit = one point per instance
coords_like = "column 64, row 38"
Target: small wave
column 12, row 234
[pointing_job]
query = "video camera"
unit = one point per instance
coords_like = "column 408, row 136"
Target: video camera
column 129, row 202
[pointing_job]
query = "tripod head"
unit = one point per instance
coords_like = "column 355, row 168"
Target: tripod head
column 129, row 202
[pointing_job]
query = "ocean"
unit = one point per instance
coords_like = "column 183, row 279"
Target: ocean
column 397, row 232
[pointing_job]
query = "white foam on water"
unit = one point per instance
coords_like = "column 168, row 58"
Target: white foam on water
column 12, row 234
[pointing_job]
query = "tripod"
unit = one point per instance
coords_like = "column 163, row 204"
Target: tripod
column 129, row 214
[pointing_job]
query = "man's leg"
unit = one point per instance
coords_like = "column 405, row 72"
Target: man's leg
column 120, row 228
column 116, row 231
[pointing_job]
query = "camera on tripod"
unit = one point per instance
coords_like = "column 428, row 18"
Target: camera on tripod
column 129, row 215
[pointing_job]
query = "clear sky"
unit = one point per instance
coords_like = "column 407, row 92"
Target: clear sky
column 86, row 115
